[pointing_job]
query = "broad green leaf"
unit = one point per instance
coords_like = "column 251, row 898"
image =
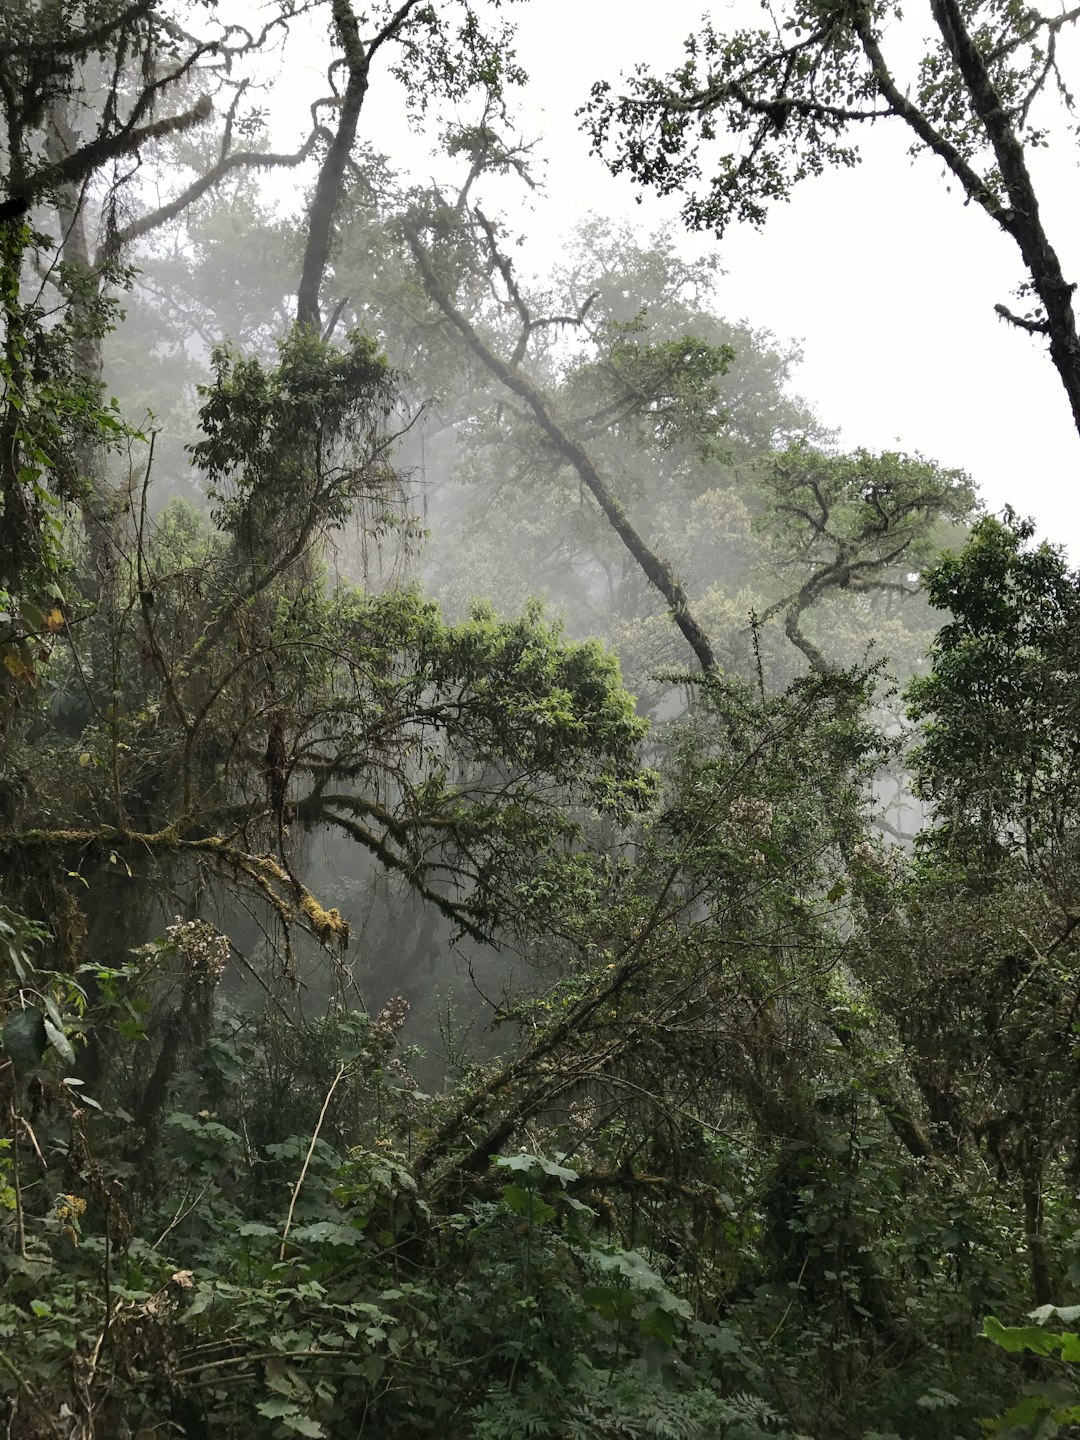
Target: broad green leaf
column 277, row 1407
column 25, row 1038
column 529, row 1163
column 528, row 1204
column 303, row 1425
column 659, row 1323
column 326, row 1232
column 1015, row 1338
column 60, row 1043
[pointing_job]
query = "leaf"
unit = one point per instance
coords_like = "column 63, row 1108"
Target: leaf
column 659, row 1323
column 18, row 667
column 609, row 1301
column 1015, row 1338
column 935, row 1399
column 24, row 1037
column 280, row 1378
column 302, row 1425
column 200, row 1303
column 326, row 1232
column 636, row 1269
column 83, row 1099
column 528, row 1204
column 60, row 1043
column 537, row 1162
column 277, row 1407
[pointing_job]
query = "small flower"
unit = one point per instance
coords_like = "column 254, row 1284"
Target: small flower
column 752, row 815
column 67, row 1210
column 204, row 949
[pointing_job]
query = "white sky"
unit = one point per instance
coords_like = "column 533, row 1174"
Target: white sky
column 887, row 280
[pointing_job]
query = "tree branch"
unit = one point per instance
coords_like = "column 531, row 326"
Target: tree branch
column 82, row 163
column 655, row 569
column 328, row 186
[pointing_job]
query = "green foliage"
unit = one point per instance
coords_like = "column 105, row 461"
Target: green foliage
column 751, row 113
column 762, row 1096
column 794, row 96
column 1051, row 1404
column 298, row 438
column 51, row 411
column 997, row 709
column 667, row 393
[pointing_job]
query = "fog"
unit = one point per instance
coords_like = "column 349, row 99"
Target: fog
column 538, row 748
column 484, row 509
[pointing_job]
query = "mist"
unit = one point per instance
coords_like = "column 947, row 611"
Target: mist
column 537, row 858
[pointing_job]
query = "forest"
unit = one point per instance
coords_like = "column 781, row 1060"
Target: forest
column 539, row 892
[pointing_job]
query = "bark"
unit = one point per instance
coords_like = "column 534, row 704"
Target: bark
column 102, row 506
column 328, row 186
column 78, row 165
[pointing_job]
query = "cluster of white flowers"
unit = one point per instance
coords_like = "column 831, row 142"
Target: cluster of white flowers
column 390, row 1019
column 204, row 949
column 581, row 1114
column 384, row 1031
column 753, row 816
column 885, row 860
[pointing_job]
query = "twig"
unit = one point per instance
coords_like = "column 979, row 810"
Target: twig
column 307, row 1158
column 179, row 1217
column 791, row 1302
column 1033, row 327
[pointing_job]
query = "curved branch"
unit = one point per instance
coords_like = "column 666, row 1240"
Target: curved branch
column 82, row 163
column 234, row 160
column 655, row 569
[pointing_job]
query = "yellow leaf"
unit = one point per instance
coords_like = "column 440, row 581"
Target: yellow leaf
column 17, row 666
column 54, row 621
column 84, row 758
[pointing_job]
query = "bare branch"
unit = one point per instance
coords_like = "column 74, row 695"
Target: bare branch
column 1033, row 327
column 236, row 160
column 655, row 569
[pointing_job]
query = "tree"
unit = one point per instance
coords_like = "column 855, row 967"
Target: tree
column 783, row 103
column 60, row 141
column 141, row 57
column 998, row 711
column 972, row 958
column 630, row 395
column 217, row 672
column 863, row 523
